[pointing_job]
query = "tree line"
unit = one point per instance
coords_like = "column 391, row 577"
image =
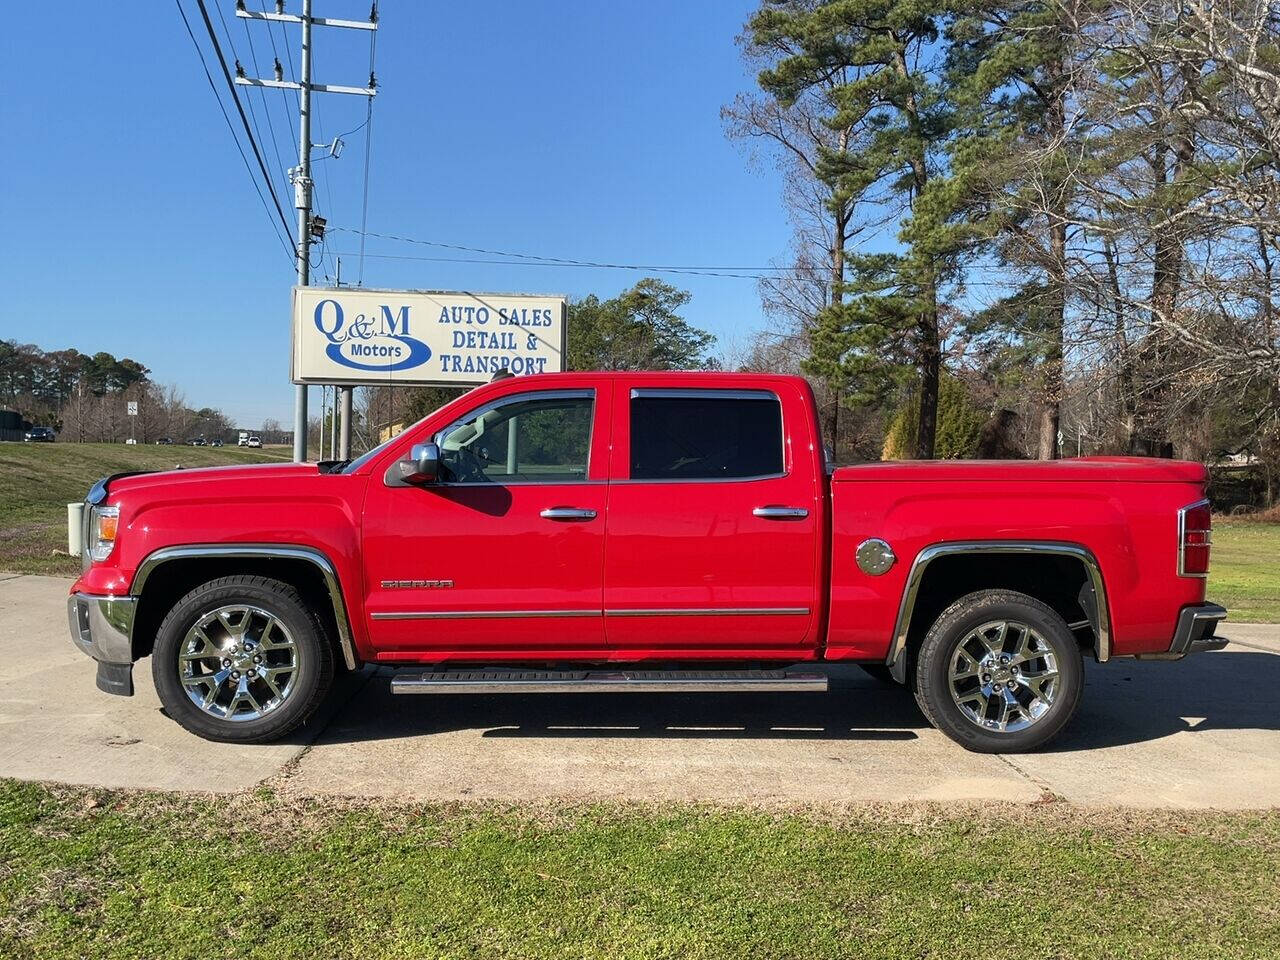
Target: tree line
column 1072, row 206
column 84, row 397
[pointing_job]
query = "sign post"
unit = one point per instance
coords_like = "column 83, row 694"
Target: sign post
column 351, row 336
column 131, row 408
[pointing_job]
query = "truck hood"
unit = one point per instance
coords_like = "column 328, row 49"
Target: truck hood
column 1107, row 469
column 129, row 482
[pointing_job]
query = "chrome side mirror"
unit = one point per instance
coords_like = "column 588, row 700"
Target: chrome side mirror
column 423, row 465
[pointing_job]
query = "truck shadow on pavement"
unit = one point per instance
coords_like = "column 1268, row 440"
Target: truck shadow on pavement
column 854, row 709
column 1133, row 701
column 1124, row 702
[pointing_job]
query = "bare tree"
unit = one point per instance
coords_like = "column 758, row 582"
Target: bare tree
column 1183, row 204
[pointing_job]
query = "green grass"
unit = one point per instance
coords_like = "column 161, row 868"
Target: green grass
column 100, row 874
column 1244, row 570
column 38, row 480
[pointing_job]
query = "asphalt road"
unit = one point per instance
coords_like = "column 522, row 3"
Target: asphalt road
column 1204, row 732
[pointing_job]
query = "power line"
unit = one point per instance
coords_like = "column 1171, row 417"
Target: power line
column 266, row 108
column 253, row 114
column 368, row 145
column 217, row 49
column 529, row 259
column 232, row 130
column 275, row 55
column 308, row 224
column 652, row 268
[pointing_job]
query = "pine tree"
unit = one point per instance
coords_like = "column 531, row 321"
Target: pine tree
column 886, row 332
column 1008, row 78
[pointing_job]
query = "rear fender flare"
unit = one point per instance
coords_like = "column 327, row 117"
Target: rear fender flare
column 1100, row 615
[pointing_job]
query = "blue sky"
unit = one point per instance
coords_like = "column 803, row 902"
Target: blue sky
column 569, row 129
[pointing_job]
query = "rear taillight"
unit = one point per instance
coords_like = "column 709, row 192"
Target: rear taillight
column 1194, row 537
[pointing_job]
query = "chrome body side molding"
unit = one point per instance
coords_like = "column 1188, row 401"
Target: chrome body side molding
column 285, row 551
column 708, row 612
column 627, row 612
column 477, row 614
column 1101, row 621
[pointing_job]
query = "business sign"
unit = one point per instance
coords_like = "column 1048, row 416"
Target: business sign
column 357, row 335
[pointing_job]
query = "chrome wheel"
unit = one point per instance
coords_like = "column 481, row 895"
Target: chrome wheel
column 1004, row 676
column 238, row 663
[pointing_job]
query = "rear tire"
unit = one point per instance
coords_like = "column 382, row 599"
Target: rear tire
column 242, row 660
column 999, row 672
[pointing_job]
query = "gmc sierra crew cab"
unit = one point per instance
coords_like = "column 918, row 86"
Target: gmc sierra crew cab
column 640, row 532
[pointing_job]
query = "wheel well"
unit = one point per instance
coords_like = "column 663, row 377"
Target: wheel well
column 1061, row 582
column 173, row 579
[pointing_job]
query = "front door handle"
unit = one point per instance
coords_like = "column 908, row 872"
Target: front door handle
column 567, row 513
column 780, row 513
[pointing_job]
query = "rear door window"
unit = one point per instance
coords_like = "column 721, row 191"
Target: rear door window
column 705, row 435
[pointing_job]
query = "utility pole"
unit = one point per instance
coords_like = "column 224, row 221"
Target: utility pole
column 302, row 200
column 302, row 173
column 333, row 429
column 344, row 435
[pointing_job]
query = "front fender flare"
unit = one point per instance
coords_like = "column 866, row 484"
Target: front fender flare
column 287, row 551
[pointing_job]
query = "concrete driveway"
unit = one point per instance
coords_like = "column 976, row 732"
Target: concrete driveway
column 1204, row 732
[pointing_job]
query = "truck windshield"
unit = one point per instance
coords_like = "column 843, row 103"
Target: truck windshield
column 364, row 458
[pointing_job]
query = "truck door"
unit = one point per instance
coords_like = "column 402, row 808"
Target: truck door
column 503, row 557
column 712, row 544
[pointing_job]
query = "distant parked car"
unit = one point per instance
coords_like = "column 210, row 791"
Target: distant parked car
column 164, row 442
column 215, row 443
column 253, row 442
column 38, row 435
column 131, row 442
column 196, row 442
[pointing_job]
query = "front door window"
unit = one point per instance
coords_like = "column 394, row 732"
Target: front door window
column 538, row 438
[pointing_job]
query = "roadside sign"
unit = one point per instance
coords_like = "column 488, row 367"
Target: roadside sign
column 133, row 408
column 350, row 335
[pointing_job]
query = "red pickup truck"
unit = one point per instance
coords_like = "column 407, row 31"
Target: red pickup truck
column 640, row 532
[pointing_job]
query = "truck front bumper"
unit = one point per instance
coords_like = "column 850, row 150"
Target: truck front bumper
column 1194, row 633
column 102, row 628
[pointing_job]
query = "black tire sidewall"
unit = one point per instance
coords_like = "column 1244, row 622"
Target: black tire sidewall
column 315, row 659
column 937, row 649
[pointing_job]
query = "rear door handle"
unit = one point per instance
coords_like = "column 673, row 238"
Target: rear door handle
column 780, row 513
column 567, row 513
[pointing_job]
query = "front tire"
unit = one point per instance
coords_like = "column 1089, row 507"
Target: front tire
column 242, row 660
column 999, row 672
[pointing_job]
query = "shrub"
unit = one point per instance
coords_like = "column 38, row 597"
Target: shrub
column 959, row 424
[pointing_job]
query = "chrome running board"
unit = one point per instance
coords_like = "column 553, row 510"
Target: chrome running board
column 608, row 681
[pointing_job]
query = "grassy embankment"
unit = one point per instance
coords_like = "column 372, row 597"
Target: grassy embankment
column 98, row 874
column 38, row 480
column 1245, row 569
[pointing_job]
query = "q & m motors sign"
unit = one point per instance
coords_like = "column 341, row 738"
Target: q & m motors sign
column 346, row 335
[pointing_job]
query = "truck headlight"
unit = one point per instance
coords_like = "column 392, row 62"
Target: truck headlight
column 102, row 532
